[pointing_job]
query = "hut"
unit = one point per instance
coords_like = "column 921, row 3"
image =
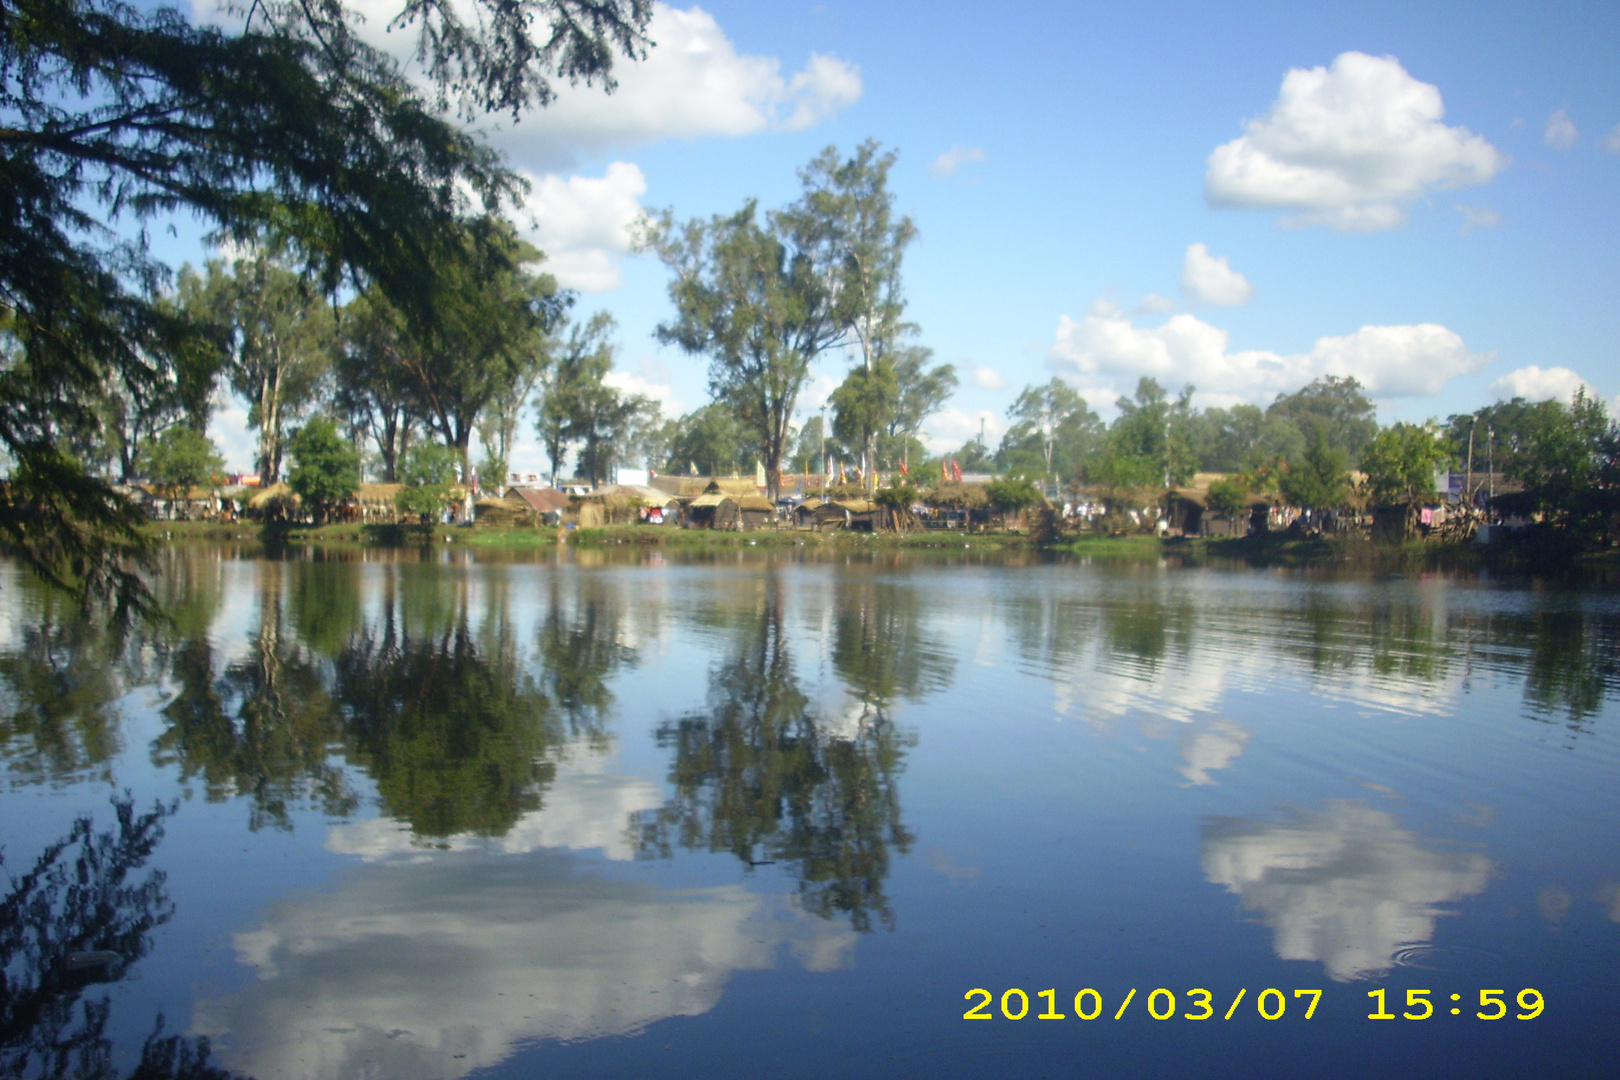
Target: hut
column 546, row 503
column 275, row 503
column 859, row 514
column 712, row 511
column 755, row 512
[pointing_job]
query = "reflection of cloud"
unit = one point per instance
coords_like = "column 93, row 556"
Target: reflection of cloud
column 585, row 808
column 1210, row 749
column 1345, row 887
column 440, row 967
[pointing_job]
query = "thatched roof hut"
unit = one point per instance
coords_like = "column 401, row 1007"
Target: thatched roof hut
column 957, row 496
column 713, row 511
column 547, row 500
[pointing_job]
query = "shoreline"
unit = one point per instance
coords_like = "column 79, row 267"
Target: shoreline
column 1273, row 550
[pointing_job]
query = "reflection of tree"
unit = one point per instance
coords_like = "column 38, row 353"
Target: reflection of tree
column 74, row 920
column 263, row 729
column 580, row 650
column 59, row 718
column 1571, row 664
column 880, row 647
column 756, row 776
column 451, row 728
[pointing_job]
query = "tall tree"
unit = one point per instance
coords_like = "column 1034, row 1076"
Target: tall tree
column 846, row 220
column 492, row 315
column 922, row 392
column 282, row 338
column 288, row 121
column 1347, row 417
column 710, row 441
column 326, row 467
column 373, row 389
column 763, row 301
column 1053, row 431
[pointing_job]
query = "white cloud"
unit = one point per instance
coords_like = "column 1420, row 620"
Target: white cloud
column 1478, row 217
column 1611, row 141
column 1346, row 888
column 693, row 84
column 1348, row 147
column 629, row 382
column 1105, row 349
column 988, row 378
column 228, row 427
column 1535, row 384
column 1560, row 132
column 953, row 159
column 1211, row 279
column 948, row 429
column 1154, row 304
column 582, row 223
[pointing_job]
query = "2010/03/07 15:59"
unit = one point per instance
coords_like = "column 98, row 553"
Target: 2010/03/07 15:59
column 1270, row 1004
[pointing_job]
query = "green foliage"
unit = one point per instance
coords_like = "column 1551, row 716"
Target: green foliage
column 1009, row 495
column 428, row 472
column 1229, row 496
column 1400, row 463
column 1335, row 406
column 1320, row 478
column 1052, row 434
column 179, row 459
column 975, row 457
column 581, row 407
column 710, row 440
column 864, row 402
column 326, row 467
column 762, row 301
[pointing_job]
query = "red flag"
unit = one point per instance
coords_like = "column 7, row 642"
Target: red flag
column 956, row 470
column 903, row 470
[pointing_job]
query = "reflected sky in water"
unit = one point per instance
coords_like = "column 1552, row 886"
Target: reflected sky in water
column 442, row 817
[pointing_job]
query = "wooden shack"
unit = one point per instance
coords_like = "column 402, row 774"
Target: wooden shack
column 755, row 512
column 860, row 514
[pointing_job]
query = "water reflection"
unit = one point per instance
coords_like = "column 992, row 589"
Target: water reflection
column 74, row 920
column 434, row 965
column 760, row 773
column 1346, row 887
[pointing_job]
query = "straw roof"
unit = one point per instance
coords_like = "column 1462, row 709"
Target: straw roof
column 712, row 499
column 754, row 502
column 651, row 496
column 732, row 486
column 378, row 494
column 542, row 500
column 270, row 494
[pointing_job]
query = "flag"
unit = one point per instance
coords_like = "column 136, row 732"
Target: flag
column 903, row 470
column 956, row 470
column 944, row 469
column 759, row 473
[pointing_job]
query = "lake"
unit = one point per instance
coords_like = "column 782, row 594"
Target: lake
column 399, row 814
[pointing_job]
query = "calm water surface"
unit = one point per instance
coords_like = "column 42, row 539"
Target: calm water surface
column 440, row 818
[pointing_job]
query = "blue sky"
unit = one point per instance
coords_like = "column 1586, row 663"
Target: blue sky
column 1239, row 196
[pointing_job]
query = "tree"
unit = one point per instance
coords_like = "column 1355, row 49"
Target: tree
column 1400, row 463
column 1150, row 443
column 581, row 407
column 428, row 471
column 180, row 459
column 846, row 219
column 1052, row 434
column 326, row 467
column 763, row 301
column 862, row 405
column 282, row 337
column 492, row 316
column 810, row 448
column 290, row 122
column 1320, row 478
column 373, row 388
column 710, row 441
column 1228, row 496
column 1348, row 419
column 922, row 391
column 1012, row 495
